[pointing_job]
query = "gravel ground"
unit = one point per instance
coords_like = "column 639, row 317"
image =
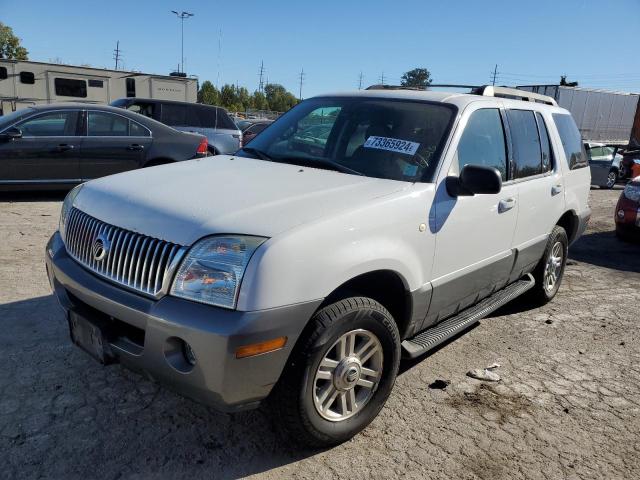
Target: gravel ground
column 568, row 405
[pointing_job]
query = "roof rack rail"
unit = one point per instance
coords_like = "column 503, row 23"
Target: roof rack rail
column 485, row 90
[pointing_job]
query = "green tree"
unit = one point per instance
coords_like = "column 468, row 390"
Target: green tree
column 244, row 99
column 208, row 94
column 259, row 101
column 416, row 78
column 10, row 47
column 228, row 97
column 278, row 98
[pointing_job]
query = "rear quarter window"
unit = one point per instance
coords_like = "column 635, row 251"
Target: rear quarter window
column 213, row 117
column 571, row 141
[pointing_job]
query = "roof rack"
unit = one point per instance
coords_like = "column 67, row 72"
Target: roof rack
column 484, row 90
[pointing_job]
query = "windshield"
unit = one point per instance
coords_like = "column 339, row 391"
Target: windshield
column 382, row 138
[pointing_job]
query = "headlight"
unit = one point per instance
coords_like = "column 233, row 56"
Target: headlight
column 66, row 209
column 632, row 192
column 213, row 268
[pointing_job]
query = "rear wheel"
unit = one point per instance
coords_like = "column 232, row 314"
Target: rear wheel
column 550, row 270
column 340, row 373
column 612, row 178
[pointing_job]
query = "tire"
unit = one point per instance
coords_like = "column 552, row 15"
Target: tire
column 612, row 178
column 557, row 243
column 297, row 399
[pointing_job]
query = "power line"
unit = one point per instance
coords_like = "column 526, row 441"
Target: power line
column 261, row 74
column 495, row 73
column 117, row 54
column 301, row 82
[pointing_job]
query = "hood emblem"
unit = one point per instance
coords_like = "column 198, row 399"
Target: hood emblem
column 100, row 248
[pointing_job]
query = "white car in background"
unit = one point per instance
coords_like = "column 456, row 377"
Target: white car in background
column 604, row 165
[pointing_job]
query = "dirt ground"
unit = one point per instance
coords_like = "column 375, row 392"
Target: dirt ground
column 568, row 405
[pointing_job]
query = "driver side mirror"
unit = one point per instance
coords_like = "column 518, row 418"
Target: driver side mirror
column 474, row 179
column 12, row 133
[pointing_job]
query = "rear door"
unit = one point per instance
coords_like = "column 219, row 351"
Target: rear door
column 540, row 186
column 47, row 152
column 113, row 144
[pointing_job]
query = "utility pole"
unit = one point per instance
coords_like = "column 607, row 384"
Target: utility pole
column 495, row 74
column 382, row 79
column 301, row 81
column 261, row 83
column 360, row 78
column 182, row 16
column 116, row 54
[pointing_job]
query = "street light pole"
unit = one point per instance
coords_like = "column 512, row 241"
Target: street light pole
column 182, row 16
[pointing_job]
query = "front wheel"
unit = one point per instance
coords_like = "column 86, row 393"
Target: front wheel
column 340, row 374
column 550, row 270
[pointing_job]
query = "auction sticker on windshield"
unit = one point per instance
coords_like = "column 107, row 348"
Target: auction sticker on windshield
column 392, row 145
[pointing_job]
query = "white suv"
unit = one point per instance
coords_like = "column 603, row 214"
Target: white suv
column 358, row 228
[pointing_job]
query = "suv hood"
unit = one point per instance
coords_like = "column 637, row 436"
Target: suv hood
column 186, row 201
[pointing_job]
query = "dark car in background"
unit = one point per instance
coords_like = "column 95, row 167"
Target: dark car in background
column 252, row 128
column 61, row 145
column 212, row 122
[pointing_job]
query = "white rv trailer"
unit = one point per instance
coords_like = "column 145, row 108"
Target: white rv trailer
column 24, row 83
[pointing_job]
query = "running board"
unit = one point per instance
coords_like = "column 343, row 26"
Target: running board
column 443, row 331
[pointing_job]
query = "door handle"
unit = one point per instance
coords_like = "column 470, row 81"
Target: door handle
column 63, row 147
column 556, row 189
column 135, row 147
column 506, row 204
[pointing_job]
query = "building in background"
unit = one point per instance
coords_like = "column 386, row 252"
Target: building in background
column 24, row 83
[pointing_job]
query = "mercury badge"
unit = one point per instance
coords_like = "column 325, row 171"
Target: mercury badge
column 100, row 248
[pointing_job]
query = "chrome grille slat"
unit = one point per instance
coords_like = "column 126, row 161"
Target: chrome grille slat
column 139, row 262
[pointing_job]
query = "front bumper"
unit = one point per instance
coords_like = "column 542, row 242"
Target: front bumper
column 149, row 328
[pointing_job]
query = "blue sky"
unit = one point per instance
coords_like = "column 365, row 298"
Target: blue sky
column 594, row 42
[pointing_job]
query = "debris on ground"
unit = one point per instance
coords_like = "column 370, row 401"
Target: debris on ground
column 487, row 374
column 439, row 384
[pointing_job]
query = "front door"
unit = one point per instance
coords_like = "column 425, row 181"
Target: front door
column 600, row 159
column 474, row 234
column 47, row 152
column 112, row 144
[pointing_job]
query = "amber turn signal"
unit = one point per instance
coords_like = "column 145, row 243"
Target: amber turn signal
column 262, row 347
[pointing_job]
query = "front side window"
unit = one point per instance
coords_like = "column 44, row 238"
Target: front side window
column 482, row 142
column 571, row 140
column 54, row 124
column 527, row 153
column 70, row 87
column 382, row 138
column 102, row 124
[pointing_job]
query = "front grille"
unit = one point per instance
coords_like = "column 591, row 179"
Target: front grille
column 138, row 262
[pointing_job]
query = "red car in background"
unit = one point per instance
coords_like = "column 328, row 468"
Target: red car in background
column 627, row 214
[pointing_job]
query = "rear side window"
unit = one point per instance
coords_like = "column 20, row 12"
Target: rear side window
column 70, row 87
column 571, row 141
column 212, row 117
column 527, row 153
column 482, row 142
column 137, row 130
column 102, row 124
column 547, row 152
column 174, row 115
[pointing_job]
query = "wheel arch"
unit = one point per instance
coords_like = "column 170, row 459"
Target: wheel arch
column 569, row 221
column 387, row 287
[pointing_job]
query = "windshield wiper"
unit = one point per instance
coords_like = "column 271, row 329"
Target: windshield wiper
column 258, row 153
column 317, row 163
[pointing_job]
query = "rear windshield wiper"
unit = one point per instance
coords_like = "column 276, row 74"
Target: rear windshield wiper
column 258, row 153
